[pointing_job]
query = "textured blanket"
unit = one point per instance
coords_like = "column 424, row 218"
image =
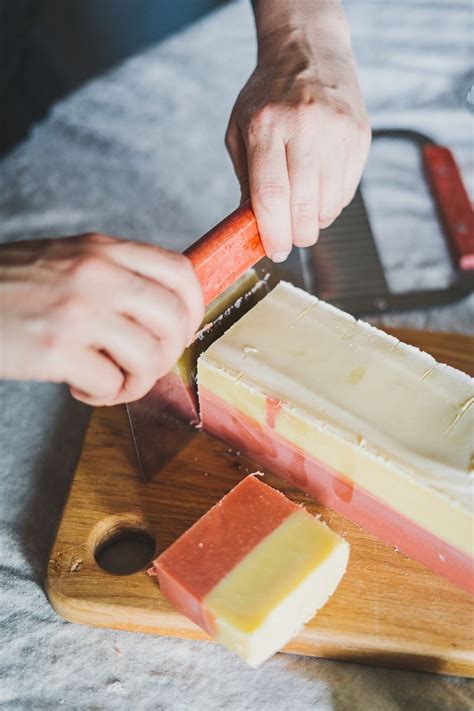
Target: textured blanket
column 139, row 153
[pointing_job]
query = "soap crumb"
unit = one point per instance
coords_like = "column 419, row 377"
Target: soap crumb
column 442, row 557
column 238, row 453
column 250, row 349
column 76, row 565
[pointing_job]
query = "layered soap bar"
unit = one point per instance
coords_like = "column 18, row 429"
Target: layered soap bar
column 252, row 570
column 371, row 427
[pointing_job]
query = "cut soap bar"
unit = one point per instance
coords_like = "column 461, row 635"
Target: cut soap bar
column 365, row 424
column 253, row 570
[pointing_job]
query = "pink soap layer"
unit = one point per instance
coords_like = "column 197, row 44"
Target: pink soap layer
column 193, row 565
column 332, row 489
column 172, row 394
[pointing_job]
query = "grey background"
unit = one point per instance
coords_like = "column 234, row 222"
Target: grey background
column 139, row 153
column 86, row 37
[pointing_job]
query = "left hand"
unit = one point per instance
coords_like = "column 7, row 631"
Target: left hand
column 298, row 137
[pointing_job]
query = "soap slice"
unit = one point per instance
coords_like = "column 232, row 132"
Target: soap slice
column 369, row 426
column 252, row 570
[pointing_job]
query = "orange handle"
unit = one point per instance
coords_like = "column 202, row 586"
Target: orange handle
column 453, row 203
column 224, row 253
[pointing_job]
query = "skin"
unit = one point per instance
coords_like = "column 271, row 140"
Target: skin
column 109, row 317
column 106, row 316
column 299, row 135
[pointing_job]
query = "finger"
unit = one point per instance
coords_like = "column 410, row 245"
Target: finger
column 331, row 186
column 159, row 310
column 142, row 358
column 355, row 166
column 270, row 194
column 92, row 376
column 170, row 269
column 238, row 154
column 303, row 171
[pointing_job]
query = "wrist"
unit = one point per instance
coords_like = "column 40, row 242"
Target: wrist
column 285, row 26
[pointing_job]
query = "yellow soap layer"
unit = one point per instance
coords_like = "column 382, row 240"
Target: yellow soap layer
column 281, row 583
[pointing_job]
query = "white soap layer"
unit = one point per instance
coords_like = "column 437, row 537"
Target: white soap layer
column 359, row 381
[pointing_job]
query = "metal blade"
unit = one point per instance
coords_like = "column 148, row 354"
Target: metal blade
column 158, row 434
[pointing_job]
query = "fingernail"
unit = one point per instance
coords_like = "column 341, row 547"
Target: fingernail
column 279, row 257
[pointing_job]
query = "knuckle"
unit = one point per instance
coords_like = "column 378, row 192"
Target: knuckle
column 305, row 115
column 72, row 311
column 303, row 208
column 86, row 267
column 270, row 192
column 185, row 267
column 96, row 238
column 262, row 120
column 60, row 332
column 344, row 121
column 51, row 340
column 186, row 282
column 341, row 116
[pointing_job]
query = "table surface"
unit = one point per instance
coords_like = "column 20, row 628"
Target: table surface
column 139, row 153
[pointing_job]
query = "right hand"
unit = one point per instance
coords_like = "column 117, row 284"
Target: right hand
column 106, row 316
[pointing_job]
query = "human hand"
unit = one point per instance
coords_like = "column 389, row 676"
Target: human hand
column 299, row 135
column 106, row 316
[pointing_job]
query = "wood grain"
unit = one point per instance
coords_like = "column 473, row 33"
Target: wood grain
column 388, row 610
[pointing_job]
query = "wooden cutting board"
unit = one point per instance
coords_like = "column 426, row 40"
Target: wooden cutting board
column 388, row 610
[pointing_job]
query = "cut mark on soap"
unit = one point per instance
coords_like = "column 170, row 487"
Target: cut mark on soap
column 428, row 372
column 463, row 409
column 305, row 312
column 348, row 330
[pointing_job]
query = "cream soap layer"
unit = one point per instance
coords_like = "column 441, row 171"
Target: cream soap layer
column 383, row 400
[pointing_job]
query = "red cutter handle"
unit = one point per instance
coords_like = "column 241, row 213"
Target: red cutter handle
column 452, row 201
column 224, row 253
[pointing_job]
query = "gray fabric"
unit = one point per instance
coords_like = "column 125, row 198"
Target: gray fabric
column 139, row 153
